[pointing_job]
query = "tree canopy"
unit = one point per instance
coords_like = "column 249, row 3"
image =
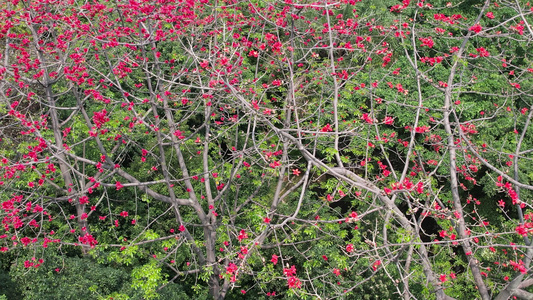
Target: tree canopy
column 270, row 149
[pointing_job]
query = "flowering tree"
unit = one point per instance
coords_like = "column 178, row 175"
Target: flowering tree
column 301, row 149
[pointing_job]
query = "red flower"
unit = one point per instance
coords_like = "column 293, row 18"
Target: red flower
column 326, row 128
column 242, row 235
column 422, row 129
column 294, row 282
column 476, row 28
column 482, row 52
column 118, row 185
column 349, row 248
column 25, row 241
column 231, row 268
column 366, row 118
column 376, row 264
column 290, row 272
column 428, row 42
column 88, row 240
column 84, row 200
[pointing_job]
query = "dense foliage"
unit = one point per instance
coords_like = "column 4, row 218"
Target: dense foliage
column 296, row 149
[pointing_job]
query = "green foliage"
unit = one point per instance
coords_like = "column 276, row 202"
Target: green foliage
column 68, row 278
column 147, row 278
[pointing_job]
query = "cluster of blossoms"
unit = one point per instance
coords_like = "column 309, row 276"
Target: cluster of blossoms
column 292, row 280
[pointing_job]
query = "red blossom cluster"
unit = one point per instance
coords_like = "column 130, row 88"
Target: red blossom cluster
column 292, row 280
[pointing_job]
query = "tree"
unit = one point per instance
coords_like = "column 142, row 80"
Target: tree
column 304, row 149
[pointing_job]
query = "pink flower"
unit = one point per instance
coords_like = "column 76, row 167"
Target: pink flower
column 490, row 15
